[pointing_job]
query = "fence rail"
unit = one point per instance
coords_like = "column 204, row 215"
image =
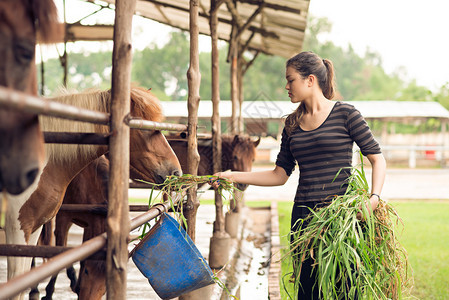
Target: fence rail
column 20, row 283
column 21, row 101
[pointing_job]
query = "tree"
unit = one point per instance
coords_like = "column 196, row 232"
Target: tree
column 265, row 78
column 164, row 69
column 414, row 92
column 84, row 71
column 206, row 75
column 442, row 95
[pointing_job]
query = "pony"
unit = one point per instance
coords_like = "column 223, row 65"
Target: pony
column 238, row 154
column 150, row 156
column 89, row 187
column 22, row 152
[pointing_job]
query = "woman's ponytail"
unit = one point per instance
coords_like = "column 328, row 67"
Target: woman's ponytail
column 329, row 85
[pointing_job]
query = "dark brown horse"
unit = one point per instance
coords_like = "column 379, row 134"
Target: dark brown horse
column 238, row 154
column 21, row 141
column 89, row 187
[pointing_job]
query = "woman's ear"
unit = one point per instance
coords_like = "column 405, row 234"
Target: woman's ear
column 311, row 79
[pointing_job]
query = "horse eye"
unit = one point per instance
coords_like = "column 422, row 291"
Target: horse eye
column 23, row 52
column 235, row 157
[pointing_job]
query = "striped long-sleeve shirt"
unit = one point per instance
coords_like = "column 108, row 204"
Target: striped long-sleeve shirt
column 322, row 152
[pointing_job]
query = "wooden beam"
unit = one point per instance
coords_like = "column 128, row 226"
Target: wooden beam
column 248, row 64
column 41, row 251
column 273, row 6
column 245, row 47
column 234, row 13
column 76, row 138
column 250, row 19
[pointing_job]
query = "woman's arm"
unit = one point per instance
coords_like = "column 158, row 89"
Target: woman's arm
column 274, row 177
column 379, row 167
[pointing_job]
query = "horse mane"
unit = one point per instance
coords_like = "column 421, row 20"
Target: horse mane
column 143, row 105
column 45, row 16
column 243, row 141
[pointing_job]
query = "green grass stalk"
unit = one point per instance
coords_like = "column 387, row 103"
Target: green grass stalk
column 352, row 254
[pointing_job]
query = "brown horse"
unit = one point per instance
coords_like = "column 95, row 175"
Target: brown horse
column 150, row 156
column 89, row 187
column 22, row 152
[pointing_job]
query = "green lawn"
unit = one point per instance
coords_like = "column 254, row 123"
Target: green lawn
column 425, row 236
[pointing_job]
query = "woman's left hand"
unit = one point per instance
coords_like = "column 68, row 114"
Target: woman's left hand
column 374, row 201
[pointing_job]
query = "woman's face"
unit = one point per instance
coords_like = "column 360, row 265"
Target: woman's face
column 296, row 86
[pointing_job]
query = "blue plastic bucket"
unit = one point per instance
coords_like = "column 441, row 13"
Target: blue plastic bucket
column 170, row 260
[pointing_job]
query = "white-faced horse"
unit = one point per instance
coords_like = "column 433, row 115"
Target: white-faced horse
column 150, row 156
column 21, row 141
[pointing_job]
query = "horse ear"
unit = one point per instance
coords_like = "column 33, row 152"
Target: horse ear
column 235, row 141
column 256, row 143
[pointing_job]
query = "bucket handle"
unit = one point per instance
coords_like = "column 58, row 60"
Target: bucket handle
column 162, row 209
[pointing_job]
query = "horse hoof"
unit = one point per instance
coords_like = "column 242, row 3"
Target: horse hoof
column 34, row 296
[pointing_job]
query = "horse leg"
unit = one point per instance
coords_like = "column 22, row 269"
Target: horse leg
column 34, row 293
column 14, row 235
column 50, row 288
column 71, row 274
column 62, row 226
column 19, row 265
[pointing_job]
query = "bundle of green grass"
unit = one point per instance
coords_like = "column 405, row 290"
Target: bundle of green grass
column 174, row 185
column 353, row 255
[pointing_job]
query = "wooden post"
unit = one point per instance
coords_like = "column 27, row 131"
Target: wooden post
column 194, row 79
column 216, row 123
column 240, row 60
column 220, row 241
column 118, row 216
column 233, row 45
column 64, row 59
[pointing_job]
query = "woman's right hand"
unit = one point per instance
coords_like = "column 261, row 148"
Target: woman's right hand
column 215, row 179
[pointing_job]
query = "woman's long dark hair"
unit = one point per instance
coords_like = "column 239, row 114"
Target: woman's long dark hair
column 308, row 63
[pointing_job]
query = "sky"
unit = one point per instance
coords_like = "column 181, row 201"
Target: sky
column 408, row 34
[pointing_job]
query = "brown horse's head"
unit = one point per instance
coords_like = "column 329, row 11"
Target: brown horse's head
column 92, row 279
column 151, row 158
column 21, row 141
column 239, row 153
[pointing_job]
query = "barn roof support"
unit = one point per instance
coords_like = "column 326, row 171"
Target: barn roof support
column 118, row 225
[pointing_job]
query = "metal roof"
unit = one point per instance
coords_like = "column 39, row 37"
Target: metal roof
column 401, row 109
column 275, row 27
column 277, row 109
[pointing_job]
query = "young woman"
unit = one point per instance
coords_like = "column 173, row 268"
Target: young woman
column 319, row 137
